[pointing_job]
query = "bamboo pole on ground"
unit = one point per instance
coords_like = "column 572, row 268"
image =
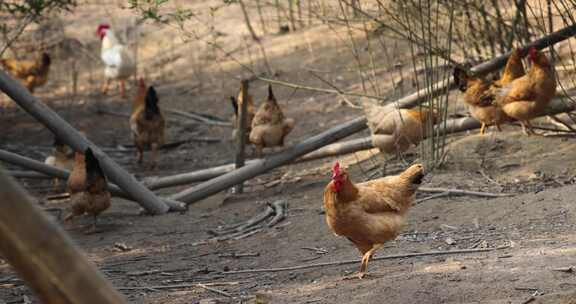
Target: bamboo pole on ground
column 41, row 167
column 365, row 143
column 44, row 256
column 228, row 180
column 73, row 138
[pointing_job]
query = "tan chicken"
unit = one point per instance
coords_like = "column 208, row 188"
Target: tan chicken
column 88, row 188
column 269, row 127
column 237, row 103
column 62, row 157
column 32, row 73
column 147, row 122
column 475, row 89
column 394, row 132
column 526, row 97
column 371, row 213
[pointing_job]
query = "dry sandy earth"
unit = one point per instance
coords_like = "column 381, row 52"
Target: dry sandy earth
column 142, row 255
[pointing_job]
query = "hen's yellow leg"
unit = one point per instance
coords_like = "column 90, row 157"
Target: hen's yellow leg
column 105, row 86
column 366, row 259
column 483, row 129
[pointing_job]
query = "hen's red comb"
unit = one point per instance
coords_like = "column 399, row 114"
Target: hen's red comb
column 532, row 52
column 336, row 169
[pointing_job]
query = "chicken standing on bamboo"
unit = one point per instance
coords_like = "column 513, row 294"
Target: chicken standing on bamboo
column 525, row 98
column 476, row 88
column 147, row 123
column 269, row 127
column 31, row 73
column 370, row 213
column 88, row 188
column 117, row 58
column 395, row 131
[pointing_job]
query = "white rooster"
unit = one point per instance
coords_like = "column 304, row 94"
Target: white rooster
column 119, row 62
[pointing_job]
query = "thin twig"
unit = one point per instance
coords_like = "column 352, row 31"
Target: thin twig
column 355, row 261
column 433, row 196
column 339, row 92
column 464, row 192
column 303, row 87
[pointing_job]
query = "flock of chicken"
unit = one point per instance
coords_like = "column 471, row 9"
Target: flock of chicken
column 372, row 213
column 369, row 213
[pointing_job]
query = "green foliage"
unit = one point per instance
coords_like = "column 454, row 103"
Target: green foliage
column 151, row 10
column 35, row 8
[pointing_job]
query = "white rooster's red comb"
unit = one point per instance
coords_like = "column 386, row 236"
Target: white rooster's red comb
column 101, row 27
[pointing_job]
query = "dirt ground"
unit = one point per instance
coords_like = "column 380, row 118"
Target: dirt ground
column 523, row 245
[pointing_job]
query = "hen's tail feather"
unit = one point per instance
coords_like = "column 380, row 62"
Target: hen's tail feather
column 234, row 105
column 271, row 96
column 151, row 103
column 93, row 169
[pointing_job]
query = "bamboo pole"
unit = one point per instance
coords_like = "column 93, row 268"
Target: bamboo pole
column 44, row 256
column 335, row 149
column 41, row 167
column 228, row 180
column 365, row 143
column 71, row 137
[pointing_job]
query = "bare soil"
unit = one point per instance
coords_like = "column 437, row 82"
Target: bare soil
column 159, row 259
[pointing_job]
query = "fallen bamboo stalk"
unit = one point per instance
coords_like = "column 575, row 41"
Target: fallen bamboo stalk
column 28, row 174
column 43, row 168
column 356, row 261
column 44, row 256
column 335, row 149
column 63, row 130
column 257, row 167
column 230, row 179
column 199, row 118
column 452, row 126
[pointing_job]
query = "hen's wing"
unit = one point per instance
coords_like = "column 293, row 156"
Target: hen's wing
column 375, row 199
column 519, row 89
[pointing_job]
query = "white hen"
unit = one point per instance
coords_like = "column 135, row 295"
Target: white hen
column 117, row 57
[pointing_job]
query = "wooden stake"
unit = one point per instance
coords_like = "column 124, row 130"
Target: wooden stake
column 241, row 134
column 71, row 137
column 44, row 256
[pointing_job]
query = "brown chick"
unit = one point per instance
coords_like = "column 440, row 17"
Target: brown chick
column 147, row 123
column 32, row 73
column 269, row 127
column 526, row 97
column 237, row 103
column 88, row 188
column 371, row 213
